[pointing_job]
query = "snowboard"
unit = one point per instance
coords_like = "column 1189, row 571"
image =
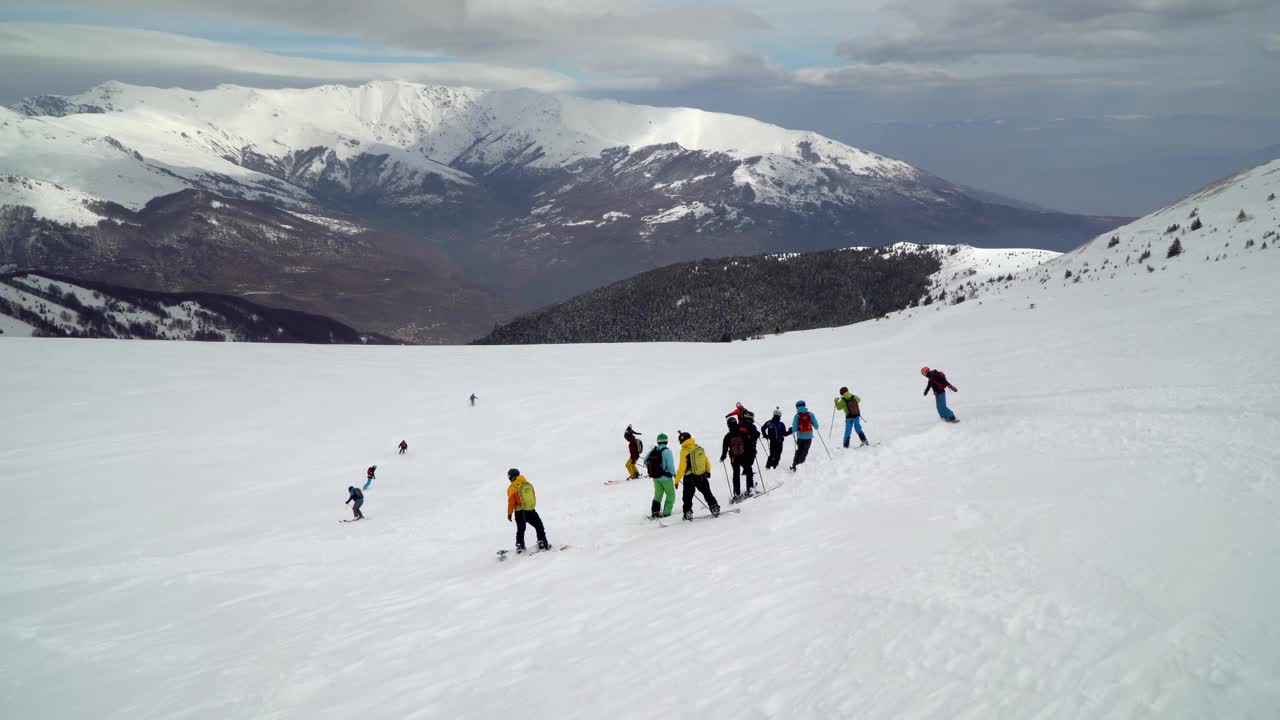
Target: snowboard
column 504, row 554
column 730, row 511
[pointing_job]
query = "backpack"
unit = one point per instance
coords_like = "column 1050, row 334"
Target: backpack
column 698, row 463
column 737, row 445
column 653, row 463
column 528, row 500
column 805, row 425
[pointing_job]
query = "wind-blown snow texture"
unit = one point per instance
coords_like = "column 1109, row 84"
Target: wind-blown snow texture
column 1096, row 539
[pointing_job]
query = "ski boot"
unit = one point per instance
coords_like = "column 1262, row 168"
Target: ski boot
column 750, row 492
column 688, row 515
column 715, row 511
column 735, row 499
column 520, row 551
column 544, row 545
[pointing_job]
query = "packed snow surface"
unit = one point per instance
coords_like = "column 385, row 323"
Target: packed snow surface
column 1096, row 539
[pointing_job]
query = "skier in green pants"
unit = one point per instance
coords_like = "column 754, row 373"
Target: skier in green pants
column 662, row 468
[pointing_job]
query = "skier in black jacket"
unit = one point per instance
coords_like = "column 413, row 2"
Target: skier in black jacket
column 775, row 431
column 740, row 447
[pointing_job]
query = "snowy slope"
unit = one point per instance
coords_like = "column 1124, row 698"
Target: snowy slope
column 1143, row 246
column 1096, row 539
column 127, row 143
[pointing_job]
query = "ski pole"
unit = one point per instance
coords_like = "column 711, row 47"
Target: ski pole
column 831, row 426
column 824, row 446
column 728, row 488
column 761, row 474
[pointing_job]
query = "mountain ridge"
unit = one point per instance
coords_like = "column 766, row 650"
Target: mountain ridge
column 531, row 198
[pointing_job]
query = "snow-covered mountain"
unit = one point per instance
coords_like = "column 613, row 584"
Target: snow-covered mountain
column 1097, row 537
column 538, row 196
column 36, row 305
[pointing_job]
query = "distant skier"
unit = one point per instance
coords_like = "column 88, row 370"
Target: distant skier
column 662, row 468
column 775, row 432
column 634, row 446
column 523, row 503
column 473, row 399
column 802, row 425
column 696, row 468
column 850, row 404
column 739, row 447
column 937, row 382
column 737, row 411
column 403, row 446
column 355, row 495
column 369, row 476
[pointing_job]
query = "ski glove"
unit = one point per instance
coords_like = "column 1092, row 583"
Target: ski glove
column 508, row 518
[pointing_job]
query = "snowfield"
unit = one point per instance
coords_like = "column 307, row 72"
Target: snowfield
column 1096, row 539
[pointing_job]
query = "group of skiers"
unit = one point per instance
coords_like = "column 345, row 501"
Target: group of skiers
column 740, row 444
column 693, row 468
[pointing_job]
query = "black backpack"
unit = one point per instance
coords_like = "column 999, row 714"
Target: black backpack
column 737, row 444
column 653, row 463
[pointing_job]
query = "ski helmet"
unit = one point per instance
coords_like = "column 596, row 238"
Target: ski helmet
column 662, row 438
column 843, row 390
column 924, row 370
column 739, row 404
column 512, row 474
column 683, row 436
column 777, row 412
column 799, row 403
column 732, row 422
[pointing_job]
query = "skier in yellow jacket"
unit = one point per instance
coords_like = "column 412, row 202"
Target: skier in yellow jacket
column 696, row 468
column 522, row 502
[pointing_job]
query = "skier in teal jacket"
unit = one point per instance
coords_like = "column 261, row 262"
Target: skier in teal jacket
column 802, row 426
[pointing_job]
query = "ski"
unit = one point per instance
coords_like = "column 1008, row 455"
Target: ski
column 650, row 517
column 758, row 493
column 730, row 511
column 864, row 447
column 352, row 519
column 619, row 482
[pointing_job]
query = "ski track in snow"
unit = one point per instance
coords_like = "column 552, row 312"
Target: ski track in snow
column 1096, row 539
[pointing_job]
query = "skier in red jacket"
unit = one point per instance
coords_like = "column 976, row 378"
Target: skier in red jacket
column 937, row 382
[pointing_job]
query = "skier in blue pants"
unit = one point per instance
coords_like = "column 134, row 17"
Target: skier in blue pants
column 939, row 385
column 849, row 403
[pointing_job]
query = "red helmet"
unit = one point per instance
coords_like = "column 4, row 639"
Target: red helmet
column 924, row 370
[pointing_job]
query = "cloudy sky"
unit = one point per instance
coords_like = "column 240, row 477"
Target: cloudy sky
column 1106, row 106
